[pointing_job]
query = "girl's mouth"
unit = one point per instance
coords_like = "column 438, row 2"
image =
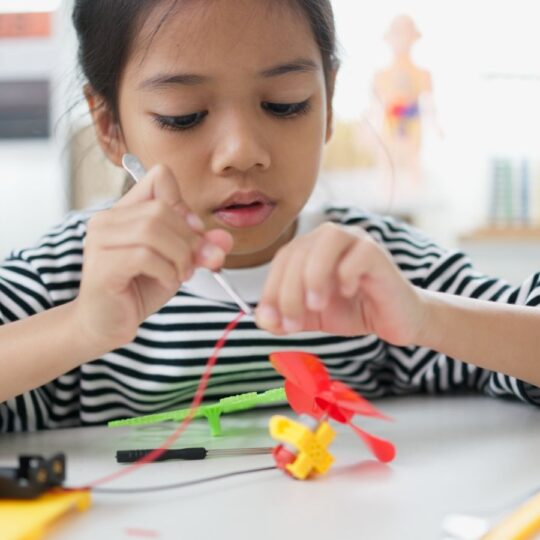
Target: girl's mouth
column 245, row 209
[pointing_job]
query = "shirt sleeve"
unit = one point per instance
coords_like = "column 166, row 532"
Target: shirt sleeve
column 32, row 281
column 429, row 266
column 46, row 275
column 453, row 273
column 22, row 292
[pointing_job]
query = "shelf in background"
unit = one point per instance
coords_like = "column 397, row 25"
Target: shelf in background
column 505, row 233
column 511, row 253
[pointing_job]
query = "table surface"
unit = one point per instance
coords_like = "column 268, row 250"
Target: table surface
column 467, row 454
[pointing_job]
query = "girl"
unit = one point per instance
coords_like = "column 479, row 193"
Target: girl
column 228, row 103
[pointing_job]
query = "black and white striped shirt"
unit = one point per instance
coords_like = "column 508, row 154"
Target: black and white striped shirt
column 161, row 367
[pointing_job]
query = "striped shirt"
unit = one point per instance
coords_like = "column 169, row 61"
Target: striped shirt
column 161, row 367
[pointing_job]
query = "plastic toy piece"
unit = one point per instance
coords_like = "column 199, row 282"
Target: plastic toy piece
column 211, row 412
column 32, row 477
column 521, row 524
column 29, row 520
column 304, row 451
column 311, row 391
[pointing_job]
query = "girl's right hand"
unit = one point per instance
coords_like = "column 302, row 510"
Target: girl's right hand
column 136, row 256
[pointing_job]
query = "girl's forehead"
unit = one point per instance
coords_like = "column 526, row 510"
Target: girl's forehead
column 216, row 34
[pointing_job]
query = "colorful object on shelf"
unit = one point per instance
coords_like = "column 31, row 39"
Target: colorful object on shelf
column 514, row 192
column 211, row 412
column 25, row 25
column 310, row 391
column 403, row 102
column 400, row 114
column 29, row 519
column 304, row 449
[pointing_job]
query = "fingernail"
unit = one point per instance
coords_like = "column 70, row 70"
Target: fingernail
column 314, row 301
column 210, row 252
column 267, row 315
column 195, row 222
column 291, row 326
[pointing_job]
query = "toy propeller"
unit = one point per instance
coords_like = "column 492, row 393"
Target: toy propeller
column 310, row 390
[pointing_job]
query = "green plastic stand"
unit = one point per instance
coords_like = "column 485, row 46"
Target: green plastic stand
column 212, row 413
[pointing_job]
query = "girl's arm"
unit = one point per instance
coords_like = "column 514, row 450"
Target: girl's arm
column 417, row 298
column 136, row 255
column 35, row 350
column 495, row 336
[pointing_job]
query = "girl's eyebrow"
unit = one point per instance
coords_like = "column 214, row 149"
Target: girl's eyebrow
column 300, row 65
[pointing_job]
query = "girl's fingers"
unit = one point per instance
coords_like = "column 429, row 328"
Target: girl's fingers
column 307, row 274
column 267, row 311
column 291, row 292
column 155, row 224
column 363, row 257
column 145, row 214
column 320, row 266
column 217, row 243
column 159, row 183
column 151, row 224
column 160, row 187
column 157, row 237
column 124, row 264
column 220, row 238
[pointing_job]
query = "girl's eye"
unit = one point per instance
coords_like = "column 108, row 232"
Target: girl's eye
column 180, row 123
column 286, row 110
column 189, row 121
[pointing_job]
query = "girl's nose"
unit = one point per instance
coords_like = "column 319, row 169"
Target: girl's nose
column 240, row 148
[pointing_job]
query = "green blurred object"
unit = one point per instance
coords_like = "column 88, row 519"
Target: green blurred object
column 213, row 412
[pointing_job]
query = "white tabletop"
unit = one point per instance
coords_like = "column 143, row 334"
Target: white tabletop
column 461, row 454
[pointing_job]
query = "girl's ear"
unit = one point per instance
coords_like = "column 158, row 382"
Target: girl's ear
column 107, row 128
column 329, row 123
column 329, row 108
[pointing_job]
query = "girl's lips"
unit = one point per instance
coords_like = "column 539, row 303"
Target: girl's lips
column 245, row 215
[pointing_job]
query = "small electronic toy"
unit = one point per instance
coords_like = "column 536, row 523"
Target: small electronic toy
column 316, row 398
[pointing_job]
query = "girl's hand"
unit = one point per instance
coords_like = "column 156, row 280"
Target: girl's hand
column 136, row 256
column 337, row 279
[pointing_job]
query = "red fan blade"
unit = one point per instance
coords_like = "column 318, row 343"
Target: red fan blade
column 301, row 402
column 302, row 369
column 383, row 450
column 347, row 397
column 327, row 402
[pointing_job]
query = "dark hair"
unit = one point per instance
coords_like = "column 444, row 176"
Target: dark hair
column 106, row 30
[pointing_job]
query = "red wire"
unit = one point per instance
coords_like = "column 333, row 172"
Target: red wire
column 197, row 398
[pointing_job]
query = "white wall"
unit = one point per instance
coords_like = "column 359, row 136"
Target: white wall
column 33, row 192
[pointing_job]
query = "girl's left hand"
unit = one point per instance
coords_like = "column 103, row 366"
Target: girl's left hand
column 338, row 280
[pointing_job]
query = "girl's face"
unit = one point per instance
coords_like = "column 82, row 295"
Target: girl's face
column 231, row 95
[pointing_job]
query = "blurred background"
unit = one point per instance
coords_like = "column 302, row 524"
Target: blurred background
column 437, row 122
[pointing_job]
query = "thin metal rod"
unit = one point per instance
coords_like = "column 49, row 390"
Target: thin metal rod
column 229, row 289
column 239, row 451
